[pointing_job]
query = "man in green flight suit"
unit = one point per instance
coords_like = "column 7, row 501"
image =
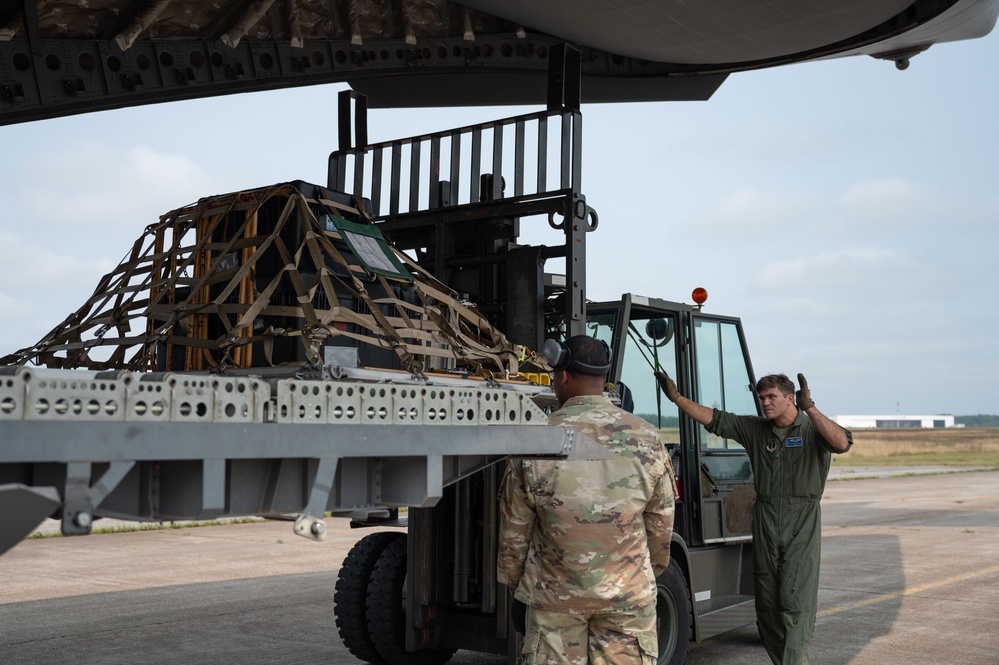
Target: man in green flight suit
column 790, row 450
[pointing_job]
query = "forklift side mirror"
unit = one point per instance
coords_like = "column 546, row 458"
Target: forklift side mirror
column 660, row 330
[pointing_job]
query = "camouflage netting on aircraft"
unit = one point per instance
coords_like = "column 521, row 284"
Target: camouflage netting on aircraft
column 273, row 276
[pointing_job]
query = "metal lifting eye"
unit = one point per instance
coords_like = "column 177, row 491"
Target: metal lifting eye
column 558, row 226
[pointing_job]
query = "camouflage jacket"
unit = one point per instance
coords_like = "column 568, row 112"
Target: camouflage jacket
column 589, row 536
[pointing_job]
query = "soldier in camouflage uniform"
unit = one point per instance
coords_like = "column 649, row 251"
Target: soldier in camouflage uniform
column 789, row 449
column 581, row 543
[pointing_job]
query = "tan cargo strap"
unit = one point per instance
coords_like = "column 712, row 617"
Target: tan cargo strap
column 160, row 298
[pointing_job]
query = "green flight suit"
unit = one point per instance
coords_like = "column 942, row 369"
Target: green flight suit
column 789, row 474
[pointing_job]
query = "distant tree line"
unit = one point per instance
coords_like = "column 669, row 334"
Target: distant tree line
column 667, row 421
column 977, row 421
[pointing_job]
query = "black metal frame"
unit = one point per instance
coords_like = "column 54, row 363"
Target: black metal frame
column 432, row 213
column 443, row 194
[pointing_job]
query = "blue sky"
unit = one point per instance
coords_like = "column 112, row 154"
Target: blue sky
column 847, row 211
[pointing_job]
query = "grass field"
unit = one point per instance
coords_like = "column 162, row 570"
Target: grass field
column 956, row 446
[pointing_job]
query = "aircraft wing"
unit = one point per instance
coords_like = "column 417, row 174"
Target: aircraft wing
column 60, row 58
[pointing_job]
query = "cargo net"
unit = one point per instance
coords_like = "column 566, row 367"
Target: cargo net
column 227, row 281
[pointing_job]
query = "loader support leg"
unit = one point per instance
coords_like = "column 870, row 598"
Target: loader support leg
column 310, row 523
column 82, row 498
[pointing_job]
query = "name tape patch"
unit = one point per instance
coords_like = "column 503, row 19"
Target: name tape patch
column 793, row 442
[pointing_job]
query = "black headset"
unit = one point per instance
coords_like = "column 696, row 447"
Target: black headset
column 559, row 356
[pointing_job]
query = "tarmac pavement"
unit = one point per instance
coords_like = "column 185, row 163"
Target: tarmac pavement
column 910, row 576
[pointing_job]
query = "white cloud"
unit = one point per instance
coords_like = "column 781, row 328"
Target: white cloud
column 72, row 214
column 754, row 210
column 862, row 208
column 12, row 309
column 94, row 187
column 755, row 139
column 890, row 201
column 39, row 288
column 872, row 267
column 28, row 264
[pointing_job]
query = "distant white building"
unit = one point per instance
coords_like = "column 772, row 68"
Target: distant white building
column 894, row 422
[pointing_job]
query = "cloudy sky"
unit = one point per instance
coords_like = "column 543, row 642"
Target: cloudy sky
column 847, row 211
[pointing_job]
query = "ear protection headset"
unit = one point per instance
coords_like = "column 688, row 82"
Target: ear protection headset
column 559, row 356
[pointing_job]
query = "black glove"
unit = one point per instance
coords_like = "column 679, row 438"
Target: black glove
column 518, row 616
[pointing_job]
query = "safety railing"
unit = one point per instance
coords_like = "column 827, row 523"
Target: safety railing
column 538, row 154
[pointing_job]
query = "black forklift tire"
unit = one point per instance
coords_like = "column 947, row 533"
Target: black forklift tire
column 673, row 615
column 387, row 614
column 350, row 598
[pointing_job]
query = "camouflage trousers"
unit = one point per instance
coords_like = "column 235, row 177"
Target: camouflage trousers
column 611, row 638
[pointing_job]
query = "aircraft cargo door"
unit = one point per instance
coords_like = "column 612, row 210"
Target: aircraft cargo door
column 723, row 377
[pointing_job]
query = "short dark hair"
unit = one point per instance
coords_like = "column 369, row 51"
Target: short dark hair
column 778, row 381
column 588, row 351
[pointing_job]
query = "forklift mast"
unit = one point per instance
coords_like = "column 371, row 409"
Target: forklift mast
column 455, row 201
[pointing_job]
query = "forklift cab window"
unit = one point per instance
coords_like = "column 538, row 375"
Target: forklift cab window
column 723, row 379
column 649, row 344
